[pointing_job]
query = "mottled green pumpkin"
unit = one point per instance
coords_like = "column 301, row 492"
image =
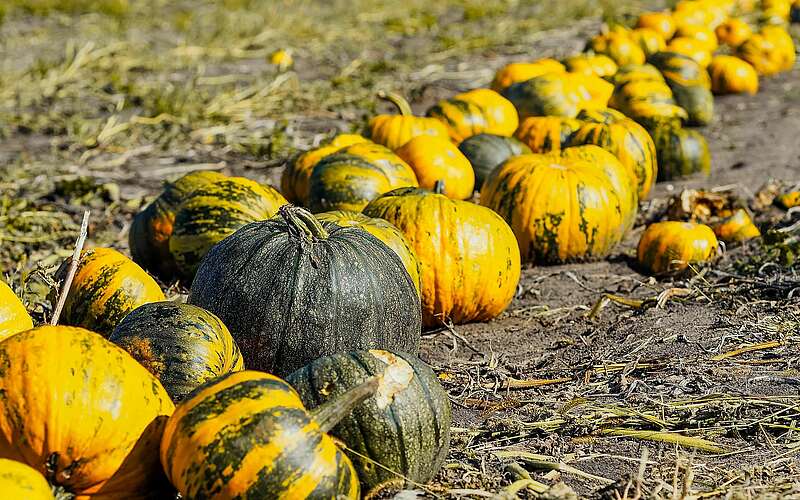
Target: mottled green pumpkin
column 182, row 345
column 546, row 95
column 476, row 112
column 681, row 152
column 486, row 151
column 408, row 434
column 679, row 69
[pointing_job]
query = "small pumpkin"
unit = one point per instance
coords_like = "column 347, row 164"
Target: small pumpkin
column 475, row 112
column 560, row 209
column 384, row 231
column 434, row 159
column 671, row 247
column 680, row 70
column 736, row 228
column 294, row 180
column 547, row 95
column 661, row 22
column 635, row 91
column 776, row 11
column 487, row 151
column 650, row 40
column 784, row 45
column 106, row 287
column 151, row 228
column 636, row 72
column 315, row 289
column 469, row 260
column 393, row 131
column 790, row 198
column 19, row 481
column 768, row 55
column 591, row 64
column 543, row 134
column 350, row 178
column 731, row 75
column 408, row 434
column 182, row 345
column 81, row 411
column 691, row 47
column 733, row 32
column 14, row 317
column 617, row 46
column 521, row 71
column 681, row 152
column 703, row 35
column 653, row 116
column 213, row 212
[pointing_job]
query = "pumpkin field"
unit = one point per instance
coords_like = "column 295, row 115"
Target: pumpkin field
column 374, row 249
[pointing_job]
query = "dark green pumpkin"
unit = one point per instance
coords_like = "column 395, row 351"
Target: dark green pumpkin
column 292, row 289
column 681, row 152
column 545, row 95
column 486, row 151
column 183, row 345
column 698, row 102
column 409, row 434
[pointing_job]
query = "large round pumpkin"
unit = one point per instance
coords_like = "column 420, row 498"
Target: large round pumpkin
column 681, row 152
column 521, row 71
column 476, row 112
column 731, row 75
column 393, row 131
column 182, row 345
column 213, row 212
column 469, row 261
column 434, row 159
column 384, row 231
column 407, row 435
column 151, row 228
column 543, row 134
column 292, row 289
column 106, row 287
column 560, row 209
column 670, row 247
column 733, row 32
column 14, row 317
column 486, row 151
column 22, row 482
column 82, row 412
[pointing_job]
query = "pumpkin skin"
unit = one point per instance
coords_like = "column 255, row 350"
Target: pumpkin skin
column 619, row 47
column 670, row 247
column 543, row 134
column 591, row 64
column 520, row 72
column 560, row 210
column 487, row 151
column 93, row 429
column 14, row 317
column 315, row 289
column 691, row 47
column 736, row 228
column 733, row 32
column 107, row 286
column 469, row 260
column 701, row 34
column 434, row 159
column 660, row 22
column 182, row 345
column 247, row 435
column 731, row 75
column 294, row 180
column 357, row 174
column 681, row 152
column 384, row 231
column 546, row 95
column 680, row 70
column 653, row 116
column 475, row 112
column 411, row 435
column 650, row 40
column 393, row 131
column 20, row 481
column 151, row 228
column 635, row 91
column 637, row 72
column 784, row 45
column 213, row 212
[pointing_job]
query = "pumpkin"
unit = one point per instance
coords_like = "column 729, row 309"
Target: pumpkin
column 617, row 46
column 475, row 112
column 660, row 22
column 314, row 289
column 768, row 55
column 593, row 92
column 468, row 257
column 560, row 209
column 636, row 72
column 733, row 32
column 294, row 180
column 521, row 71
column 670, row 247
column 384, row 231
column 543, row 134
column 486, row 151
column 705, row 37
column 775, row 11
column 681, row 152
column 19, row 481
column 434, row 159
column 408, row 435
column 731, row 75
column 350, row 178
column 736, row 228
column 697, row 101
column 691, row 47
column 182, row 345
column 788, row 199
column 653, row 116
column 14, row 317
column 106, row 287
column 393, row 131
column 650, row 40
column 591, row 64
column 784, row 45
column 624, row 138
column 635, row 91
column 547, row 95
column 680, row 70
column 151, row 228
column 82, row 412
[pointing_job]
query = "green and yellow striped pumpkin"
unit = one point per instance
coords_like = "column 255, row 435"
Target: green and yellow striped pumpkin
column 681, row 152
column 591, row 64
column 476, row 112
column 543, row 134
column 19, row 481
column 487, row 151
column 14, row 317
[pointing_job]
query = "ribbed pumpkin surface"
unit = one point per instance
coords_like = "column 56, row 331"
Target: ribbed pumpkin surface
column 19, row 481
column 544, row 134
column 14, row 318
column 670, row 246
column 476, row 112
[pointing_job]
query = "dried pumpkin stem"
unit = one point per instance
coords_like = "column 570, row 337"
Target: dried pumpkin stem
column 303, row 221
column 393, row 97
column 438, row 187
column 73, row 268
column 329, row 414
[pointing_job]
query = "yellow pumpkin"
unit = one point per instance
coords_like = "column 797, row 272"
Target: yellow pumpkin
column 543, row 134
column 784, row 43
column 591, row 64
column 476, row 112
column 769, row 51
column 434, row 159
column 733, row 32
column 703, row 36
column 14, row 318
column 670, row 247
column 521, row 71
column 691, row 47
column 650, row 40
column 619, row 47
column 661, row 22
column 737, row 227
column 731, row 75
column 294, row 180
column 19, row 481
column 393, row 131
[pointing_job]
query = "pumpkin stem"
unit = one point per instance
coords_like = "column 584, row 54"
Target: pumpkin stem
column 438, row 187
column 393, row 97
column 303, row 222
column 330, row 413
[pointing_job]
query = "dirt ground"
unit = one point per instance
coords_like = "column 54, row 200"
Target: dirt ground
column 693, row 394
